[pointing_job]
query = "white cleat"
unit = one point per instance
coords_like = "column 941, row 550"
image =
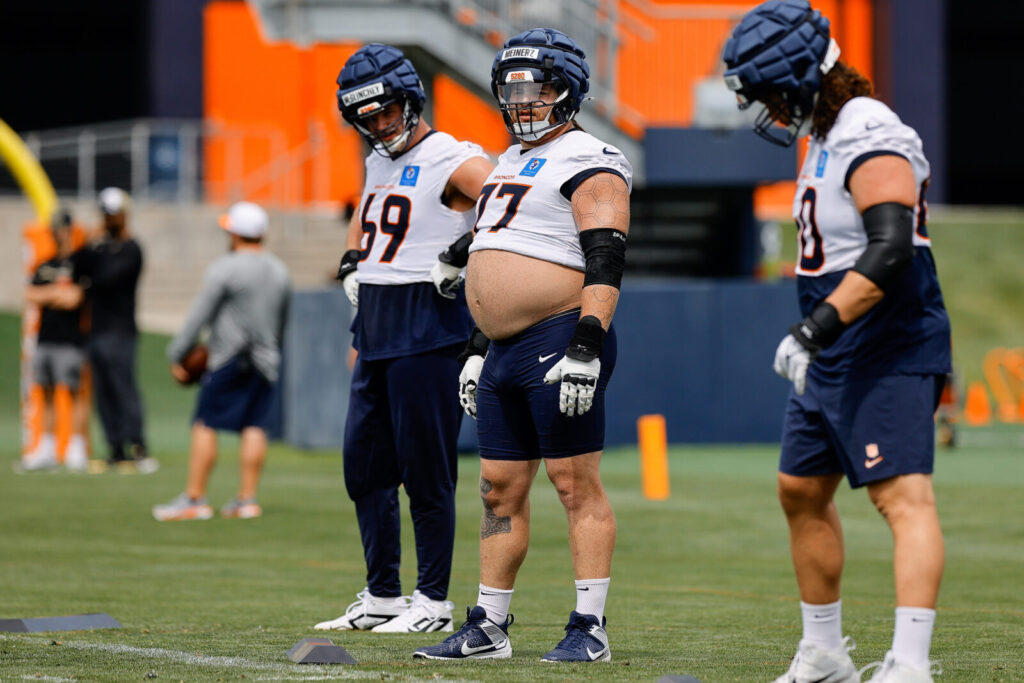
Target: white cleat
column 366, row 612
column 42, row 457
column 75, row 457
column 813, row 664
column 423, row 616
column 891, row 671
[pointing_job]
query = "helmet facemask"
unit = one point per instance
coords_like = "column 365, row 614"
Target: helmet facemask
column 531, row 105
column 384, row 141
column 784, row 116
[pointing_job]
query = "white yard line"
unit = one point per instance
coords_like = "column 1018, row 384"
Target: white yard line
column 295, row 672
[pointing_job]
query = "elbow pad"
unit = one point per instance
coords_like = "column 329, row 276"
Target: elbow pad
column 605, row 252
column 890, row 229
column 457, row 253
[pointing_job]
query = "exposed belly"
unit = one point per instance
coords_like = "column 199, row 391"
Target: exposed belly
column 509, row 292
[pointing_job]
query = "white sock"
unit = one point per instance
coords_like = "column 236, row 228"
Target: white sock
column 495, row 602
column 823, row 624
column 591, row 595
column 912, row 637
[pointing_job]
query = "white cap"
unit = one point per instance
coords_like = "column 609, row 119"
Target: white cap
column 245, row 219
column 113, row 200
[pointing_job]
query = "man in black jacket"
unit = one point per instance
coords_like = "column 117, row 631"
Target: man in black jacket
column 111, row 266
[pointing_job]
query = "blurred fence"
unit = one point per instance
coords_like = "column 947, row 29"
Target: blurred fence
column 168, row 160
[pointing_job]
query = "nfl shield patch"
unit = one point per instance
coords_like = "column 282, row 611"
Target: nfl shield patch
column 409, row 175
column 532, row 167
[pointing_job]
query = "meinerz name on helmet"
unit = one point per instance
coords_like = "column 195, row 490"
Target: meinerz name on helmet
column 540, row 78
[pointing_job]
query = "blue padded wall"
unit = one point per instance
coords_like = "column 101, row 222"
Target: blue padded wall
column 699, row 353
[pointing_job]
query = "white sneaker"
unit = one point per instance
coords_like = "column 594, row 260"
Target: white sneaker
column 366, row 612
column 813, row 664
column 75, row 457
column 891, row 671
column 423, row 616
column 42, row 457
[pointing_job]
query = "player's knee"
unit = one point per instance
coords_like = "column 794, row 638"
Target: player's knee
column 799, row 495
column 501, row 496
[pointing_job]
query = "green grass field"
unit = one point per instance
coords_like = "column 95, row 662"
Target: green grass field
column 702, row 583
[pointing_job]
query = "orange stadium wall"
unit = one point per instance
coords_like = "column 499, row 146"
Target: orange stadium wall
column 277, row 136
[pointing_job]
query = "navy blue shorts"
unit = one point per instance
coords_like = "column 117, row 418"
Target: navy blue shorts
column 869, row 429
column 517, row 414
column 233, row 397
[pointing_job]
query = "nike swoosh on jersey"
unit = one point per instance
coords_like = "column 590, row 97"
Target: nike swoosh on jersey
column 609, row 151
column 871, row 125
column 542, row 359
column 468, row 650
column 869, row 463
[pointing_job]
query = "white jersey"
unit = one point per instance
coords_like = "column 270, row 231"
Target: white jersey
column 831, row 230
column 525, row 206
column 405, row 223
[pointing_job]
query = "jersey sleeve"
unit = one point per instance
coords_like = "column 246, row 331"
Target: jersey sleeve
column 591, row 159
column 867, row 128
column 456, row 153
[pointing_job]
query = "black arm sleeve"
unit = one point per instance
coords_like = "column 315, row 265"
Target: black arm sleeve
column 890, row 229
column 457, row 253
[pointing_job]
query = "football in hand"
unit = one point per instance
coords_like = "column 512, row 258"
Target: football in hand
column 194, row 363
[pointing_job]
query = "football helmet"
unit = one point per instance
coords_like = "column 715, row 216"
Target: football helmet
column 373, row 78
column 777, row 56
column 537, row 69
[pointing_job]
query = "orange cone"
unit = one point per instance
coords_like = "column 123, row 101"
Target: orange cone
column 977, row 410
column 653, row 456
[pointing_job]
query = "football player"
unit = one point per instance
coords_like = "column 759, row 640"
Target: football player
column 543, row 281
column 869, row 359
column 412, row 321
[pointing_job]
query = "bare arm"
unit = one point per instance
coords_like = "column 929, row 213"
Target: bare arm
column 465, row 183
column 354, row 238
column 601, row 201
column 882, row 179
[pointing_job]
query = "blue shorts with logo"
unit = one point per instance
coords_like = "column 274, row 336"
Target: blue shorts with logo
column 517, row 414
column 233, row 397
column 870, row 428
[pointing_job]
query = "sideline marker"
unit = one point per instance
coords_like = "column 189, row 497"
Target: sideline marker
column 653, row 456
column 977, row 409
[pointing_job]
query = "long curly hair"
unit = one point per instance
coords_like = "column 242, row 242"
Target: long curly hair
column 840, row 85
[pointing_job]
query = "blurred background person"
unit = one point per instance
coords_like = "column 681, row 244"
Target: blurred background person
column 111, row 265
column 57, row 365
column 244, row 305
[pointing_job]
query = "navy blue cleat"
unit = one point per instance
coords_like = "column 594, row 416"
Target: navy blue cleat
column 479, row 638
column 585, row 641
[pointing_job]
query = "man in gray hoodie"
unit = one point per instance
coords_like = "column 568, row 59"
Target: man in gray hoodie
column 243, row 304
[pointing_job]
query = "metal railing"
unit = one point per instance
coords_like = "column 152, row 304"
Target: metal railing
column 168, row 160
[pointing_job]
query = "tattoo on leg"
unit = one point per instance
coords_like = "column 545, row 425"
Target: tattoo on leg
column 491, row 523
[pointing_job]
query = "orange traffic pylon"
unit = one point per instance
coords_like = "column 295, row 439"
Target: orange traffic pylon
column 977, row 409
column 653, row 456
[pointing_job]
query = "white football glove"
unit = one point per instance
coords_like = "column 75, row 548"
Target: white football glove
column 579, row 382
column 351, row 286
column 469, row 379
column 447, row 278
column 791, row 361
